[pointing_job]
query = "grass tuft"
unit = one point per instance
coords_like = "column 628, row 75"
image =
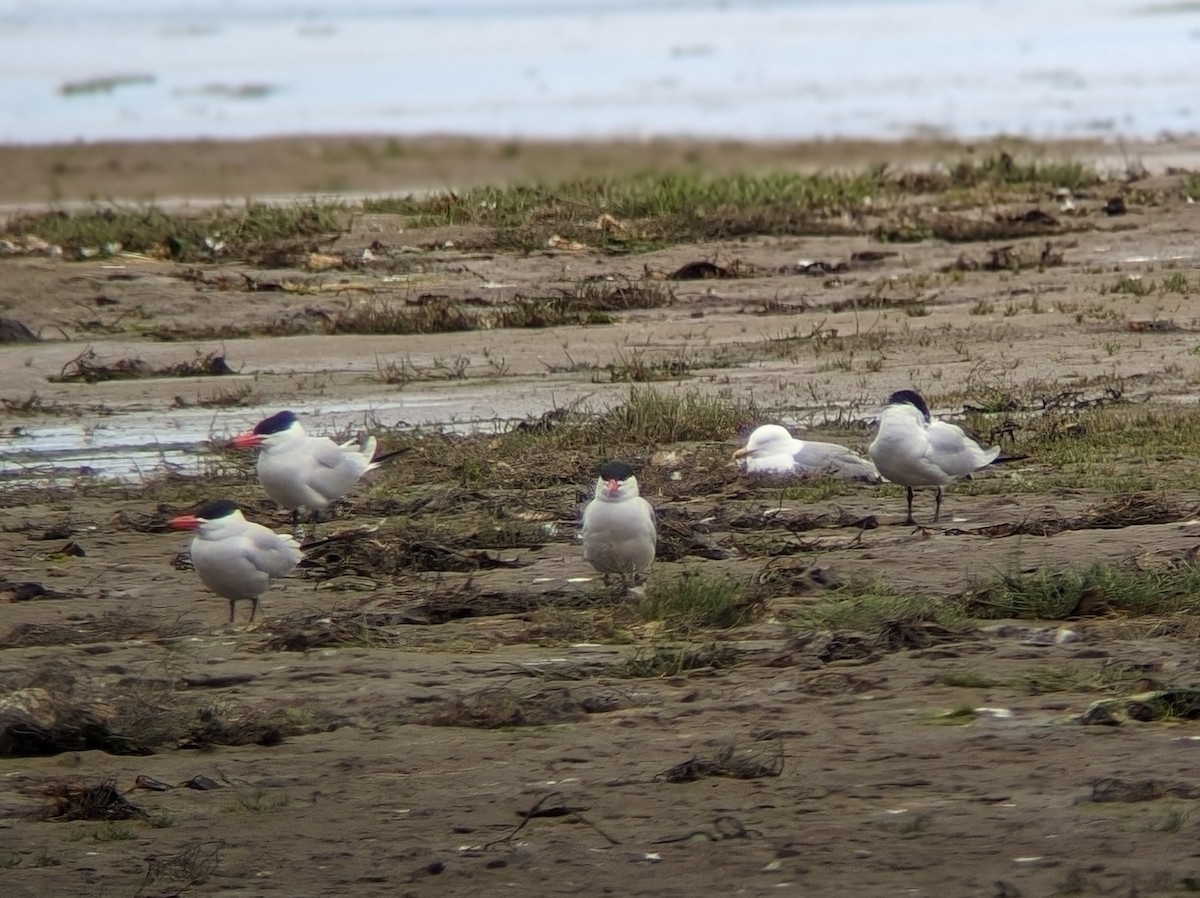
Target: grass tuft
column 1101, row 589
column 184, row 238
column 694, row 602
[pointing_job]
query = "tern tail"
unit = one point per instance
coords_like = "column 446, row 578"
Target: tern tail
column 387, row 456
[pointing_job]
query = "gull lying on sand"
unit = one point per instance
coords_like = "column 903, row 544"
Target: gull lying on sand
column 772, row 450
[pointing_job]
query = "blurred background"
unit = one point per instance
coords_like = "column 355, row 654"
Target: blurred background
column 746, row 69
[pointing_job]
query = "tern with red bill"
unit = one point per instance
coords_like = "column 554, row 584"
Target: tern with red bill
column 619, row 530
column 915, row 449
column 771, row 449
column 302, row 472
column 235, row 558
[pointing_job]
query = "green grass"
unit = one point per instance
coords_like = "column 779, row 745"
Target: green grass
column 670, row 661
column 631, row 213
column 695, row 602
column 1098, row 589
column 653, row 208
column 869, row 606
column 1131, row 286
column 112, row 831
column 182, row 238
column 651, row 417
column 967, row 679
column 1114, row 448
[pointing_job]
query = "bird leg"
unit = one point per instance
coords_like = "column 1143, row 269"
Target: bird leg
column 909, row 519
column 253, row 608
column 937, row 505
column 232, row 607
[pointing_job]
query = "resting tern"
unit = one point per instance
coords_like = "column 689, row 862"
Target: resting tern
column 772, row 450
column 914, row 449
column 619, row 531
column 235, row 558
column 298, row 471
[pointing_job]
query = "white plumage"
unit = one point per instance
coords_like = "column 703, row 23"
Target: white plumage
column 235, row 558
column 619, row 530
column 301, row 472
column 771, row 449
column 915, row 449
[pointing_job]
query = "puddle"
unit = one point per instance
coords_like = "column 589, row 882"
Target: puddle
column 133, row 445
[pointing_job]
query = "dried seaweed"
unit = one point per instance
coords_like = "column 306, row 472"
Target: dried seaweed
column 101, row 801
column 88, row 367
column 767, row 761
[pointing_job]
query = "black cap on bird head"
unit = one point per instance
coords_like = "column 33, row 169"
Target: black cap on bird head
column 913, row 398
column 616, row 470
column 277, row 423
column 217, row 508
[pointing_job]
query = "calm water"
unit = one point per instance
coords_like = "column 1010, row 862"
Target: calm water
column 736, row 68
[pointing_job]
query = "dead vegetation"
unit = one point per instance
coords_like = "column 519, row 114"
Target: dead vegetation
column 98, row 801
column 766, row 760
column 88, row 367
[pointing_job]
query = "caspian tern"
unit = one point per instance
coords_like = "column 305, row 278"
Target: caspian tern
column 236, row 558
column 619, row 530
column 299, row 472
column 772, row 450
column 915, row 449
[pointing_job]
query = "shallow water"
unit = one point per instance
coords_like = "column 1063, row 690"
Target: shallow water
column 733, row 68
column 134, row 445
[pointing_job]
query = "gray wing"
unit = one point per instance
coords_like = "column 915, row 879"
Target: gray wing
column 951, row 450
column 271, row 553
column 327, row 453
column 832, row 459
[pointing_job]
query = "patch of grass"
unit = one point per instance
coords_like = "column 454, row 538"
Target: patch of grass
column 436, row 314
column 1111, row 446
column 256, row 801
column 1170, row 820
column 663, row 661
column 651, row 417
column 694, row 602
column 1001, row 171
column 44, row 858
column 967, row 679
column 871, row 606
column 113, row 832
column 649, row 209
column 1129, row 285
column 225, row 233
column 639, row 367
column 1098, row 589
column 405, row 371
column 958, row 716
column 615, row 294
column 1176, row 282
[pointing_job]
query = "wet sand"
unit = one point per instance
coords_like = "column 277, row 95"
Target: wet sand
column 482, row 733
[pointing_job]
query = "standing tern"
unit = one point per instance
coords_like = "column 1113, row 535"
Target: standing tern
column 298, row 471
column 235, row 558
column 772, row 450
column 915, row 449
column 619, row 531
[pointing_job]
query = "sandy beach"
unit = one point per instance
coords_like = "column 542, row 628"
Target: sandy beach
column 446, row 700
